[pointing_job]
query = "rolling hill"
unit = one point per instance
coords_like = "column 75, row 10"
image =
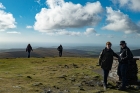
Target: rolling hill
column 52, row 52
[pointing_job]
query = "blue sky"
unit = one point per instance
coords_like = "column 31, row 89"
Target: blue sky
column 69, row 22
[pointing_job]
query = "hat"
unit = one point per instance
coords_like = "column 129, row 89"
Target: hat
column 122, row 42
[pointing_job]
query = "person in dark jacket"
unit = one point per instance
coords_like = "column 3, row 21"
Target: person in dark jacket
column 29, row 49
column 60, row 49
column 106, row 60
column 125, row 55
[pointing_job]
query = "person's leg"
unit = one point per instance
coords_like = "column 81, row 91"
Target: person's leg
column 123, row 73
column 59, row 54
column 28, row 54
column 106, row 72
column 119, row 72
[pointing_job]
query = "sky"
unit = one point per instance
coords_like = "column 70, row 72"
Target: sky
column 69, row 22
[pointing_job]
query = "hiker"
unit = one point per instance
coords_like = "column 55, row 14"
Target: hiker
column 60, row 49
column 29, row 49
column 105, row 61
column 125, row 55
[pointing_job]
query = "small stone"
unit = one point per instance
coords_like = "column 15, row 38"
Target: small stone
column 66, row 66
column 82, row 89
column 37, row 84
column 56, row 87
column 29, row 77
column 16, row 87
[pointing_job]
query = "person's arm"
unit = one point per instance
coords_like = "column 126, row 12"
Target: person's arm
column 127, row 55
column 100, row 57
column 31, row 48
column 116, row 55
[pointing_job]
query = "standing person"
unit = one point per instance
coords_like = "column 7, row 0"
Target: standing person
column 106, row 60
column 29, row 49
column 60, row 49
column 125, row 55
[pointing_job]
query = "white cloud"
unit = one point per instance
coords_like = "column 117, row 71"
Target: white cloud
column 89, row 31
column 13, row 32
column 29, row 27
column 138, row 23
column 2, row 6
column 38, row 1
column 117, row 21
column 110, row 36
column 139, row 35
column 98, row 34
column 133, row 5
column 70, row 33
column 7, row 21
column 62, row 15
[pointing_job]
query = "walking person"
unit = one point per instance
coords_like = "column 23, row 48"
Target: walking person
column 60, row 49
column 125, row 55
column 29, row 49
column 105, row 61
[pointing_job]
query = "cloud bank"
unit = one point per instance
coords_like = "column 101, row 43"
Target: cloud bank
column 7, row 21
column 62, row 15
column 89, row 31
column 118, row 21
column 133, row 5
column 13, row 32
column 29, row 27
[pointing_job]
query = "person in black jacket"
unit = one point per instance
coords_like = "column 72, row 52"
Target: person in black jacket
column 106, row 60
column 29, row 49
column 125, row 55
column 60, row 49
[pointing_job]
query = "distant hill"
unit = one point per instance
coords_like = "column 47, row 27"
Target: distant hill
column 136, row 52
column 52, row 52
column 44, row 52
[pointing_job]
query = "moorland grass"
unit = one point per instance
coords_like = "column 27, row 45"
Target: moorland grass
column 37, row 75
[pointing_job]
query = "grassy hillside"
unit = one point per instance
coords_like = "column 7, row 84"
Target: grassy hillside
column 60, row 75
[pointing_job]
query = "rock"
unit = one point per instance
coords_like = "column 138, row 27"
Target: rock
column 78, row 84
column 66, row 91
column 63, row 76
column 91, row 67
column 16, row 86
column 56, row 87
column 82, row 89
column 72, row 79
column 49, row 91
column 136, row 87
column 66, row 66
column 19, row 75
column 29, row 77
column 75, row 66
column 37, row 84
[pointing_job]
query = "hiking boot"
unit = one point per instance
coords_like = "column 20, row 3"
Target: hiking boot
column 105, row 86
column 122, row 89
